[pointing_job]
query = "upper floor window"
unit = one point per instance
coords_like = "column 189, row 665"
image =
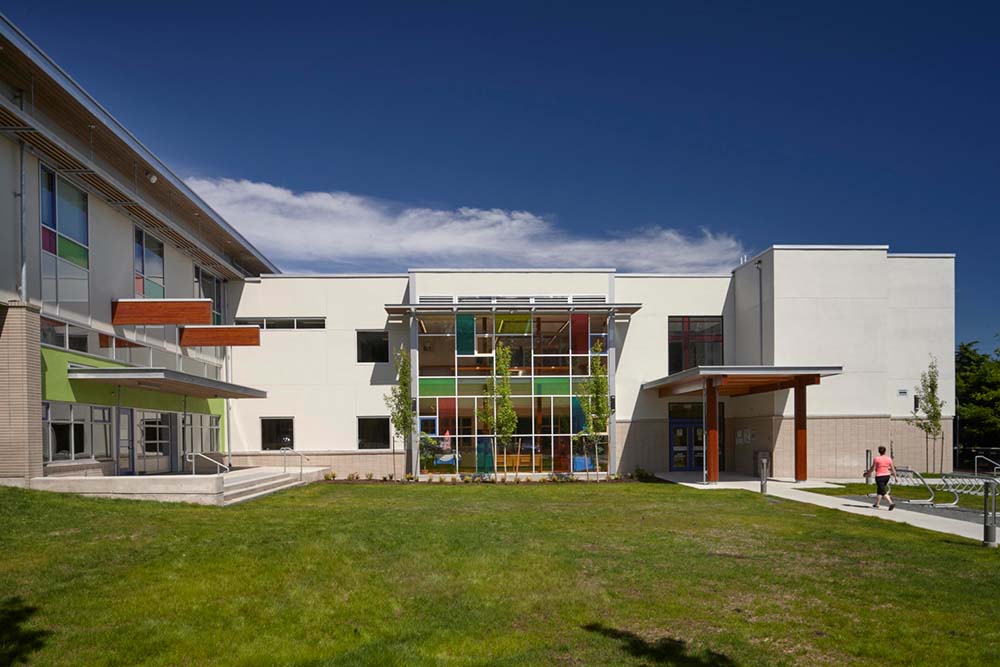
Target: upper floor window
column 149, row 273
column 373, row 347
column 694, row 341
column 207, row 286
column 65, row 244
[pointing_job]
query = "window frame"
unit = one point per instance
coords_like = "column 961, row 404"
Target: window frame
column 357, row 345
column 136, row 273
column 43, row 169
column 218, row 316
column 388, row 422
column 688, row 339
column 262, row 419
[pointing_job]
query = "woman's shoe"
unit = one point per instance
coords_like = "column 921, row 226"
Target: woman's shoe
column 892, row 506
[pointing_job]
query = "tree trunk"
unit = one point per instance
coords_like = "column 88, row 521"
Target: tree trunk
column 927, row 461
column 597, row 461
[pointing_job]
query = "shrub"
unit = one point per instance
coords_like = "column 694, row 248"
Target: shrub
column 643, row 475
column 369, row 476
column 409, row 477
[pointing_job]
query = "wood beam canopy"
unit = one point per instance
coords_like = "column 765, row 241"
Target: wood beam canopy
column 712, row 427
column 156, row 312
column 219, row 336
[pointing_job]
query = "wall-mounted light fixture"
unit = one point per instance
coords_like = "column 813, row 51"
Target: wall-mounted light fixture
column 151, row 177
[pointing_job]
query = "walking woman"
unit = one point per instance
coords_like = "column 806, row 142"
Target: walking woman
column 883, row 467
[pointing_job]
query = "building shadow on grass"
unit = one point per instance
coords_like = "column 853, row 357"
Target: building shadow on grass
column 663, row 651
column 16, row 641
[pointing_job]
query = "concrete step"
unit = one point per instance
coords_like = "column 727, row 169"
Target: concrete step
column 250, row 481
column 262, row 488
column 260, row 494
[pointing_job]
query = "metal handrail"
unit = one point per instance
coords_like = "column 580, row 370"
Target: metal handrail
column 189, row 457
column 985, row 458
column 284, row 460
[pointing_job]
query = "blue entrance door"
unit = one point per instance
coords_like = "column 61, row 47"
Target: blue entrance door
column 687, row 444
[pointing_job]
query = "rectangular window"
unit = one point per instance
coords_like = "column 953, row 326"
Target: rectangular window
column 373, row 433
column 65, row 232
column 280, row 323
column 53, row 332
column 694, row 341
column 207, row 286
column 148, row 259
column 373, row 347
column 310, row 323
column 276, row 432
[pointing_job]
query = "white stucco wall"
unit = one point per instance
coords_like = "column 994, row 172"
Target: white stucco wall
column 313, row 375
column 511, row 283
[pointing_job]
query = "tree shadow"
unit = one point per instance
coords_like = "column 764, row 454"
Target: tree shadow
column 663, row 651
column 16, row 641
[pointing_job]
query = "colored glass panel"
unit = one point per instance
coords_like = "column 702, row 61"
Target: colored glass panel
column 71, row 211
column 152, row 290
column 513, row 324
column 552, row 385
column 48, row 204
column 465, row 326
column 578, row 417
column 437, row 386
column 581, row 334
column 73, row 252
column 48, row 240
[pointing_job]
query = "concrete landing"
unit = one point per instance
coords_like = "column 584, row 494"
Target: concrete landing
column 214, row 489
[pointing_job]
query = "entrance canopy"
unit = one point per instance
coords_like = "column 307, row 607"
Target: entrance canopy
column 166, row 380
column 739, row 380
column 734, row 381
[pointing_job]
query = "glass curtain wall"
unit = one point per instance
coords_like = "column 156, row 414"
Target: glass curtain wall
column 550, row 358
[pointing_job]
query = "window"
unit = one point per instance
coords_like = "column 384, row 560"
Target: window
column 373, row 433
column 149, row 275
column 373, row 347
column 65, row 244
column 694, row 341
column 53, row 332
column 207, row 286
column 276, row 432
column 284, row 322
column 74, row 432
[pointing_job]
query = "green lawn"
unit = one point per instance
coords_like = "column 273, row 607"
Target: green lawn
column 905, row 493
column 568, row 574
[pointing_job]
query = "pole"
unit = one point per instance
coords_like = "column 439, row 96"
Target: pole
column 990, row 513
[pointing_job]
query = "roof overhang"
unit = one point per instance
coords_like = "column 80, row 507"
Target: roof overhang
column 412, row 308
column 740, row 380
column 165, row 380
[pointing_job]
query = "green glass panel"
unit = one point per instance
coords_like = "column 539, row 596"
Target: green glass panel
column 152, row 290
column 513, row 324
column 437, row 386
column 74, row 252
column 552, row 386
column 465, row 326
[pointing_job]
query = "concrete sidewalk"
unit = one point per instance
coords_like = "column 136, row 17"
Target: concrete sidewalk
column 799, row 492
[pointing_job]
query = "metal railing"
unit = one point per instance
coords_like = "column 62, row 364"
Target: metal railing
column 975, row 463
column 285, row 451
column 190, row 457
column 909, row 477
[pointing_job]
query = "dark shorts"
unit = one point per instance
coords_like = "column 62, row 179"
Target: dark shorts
column 882, row 485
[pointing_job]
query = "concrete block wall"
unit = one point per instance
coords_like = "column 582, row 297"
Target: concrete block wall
column 641, row 443
column 20, row 394
column 910, row 449
column 378, row 463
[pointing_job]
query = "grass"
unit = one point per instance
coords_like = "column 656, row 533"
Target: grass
column 569, row 574
column 905, row 493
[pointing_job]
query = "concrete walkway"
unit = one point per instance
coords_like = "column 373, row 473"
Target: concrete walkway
column 798, row 491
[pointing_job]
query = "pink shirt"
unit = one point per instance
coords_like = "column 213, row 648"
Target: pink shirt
column 883, row 464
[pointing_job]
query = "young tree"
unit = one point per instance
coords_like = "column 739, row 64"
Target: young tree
column 927, row 412
column 497, row 414
column 400, row 404
column 596, row 407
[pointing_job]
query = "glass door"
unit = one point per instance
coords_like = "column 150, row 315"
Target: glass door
column 687, row 444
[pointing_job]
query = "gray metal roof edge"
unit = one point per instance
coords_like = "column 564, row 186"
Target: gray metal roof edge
column 9, row 30
column 158, row 373
column 701, row 371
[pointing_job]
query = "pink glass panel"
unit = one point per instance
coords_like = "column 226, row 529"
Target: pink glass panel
column 48, row 240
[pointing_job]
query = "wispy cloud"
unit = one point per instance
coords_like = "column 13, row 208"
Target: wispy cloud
column 334, row 231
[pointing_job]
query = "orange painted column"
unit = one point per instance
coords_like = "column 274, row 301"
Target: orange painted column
column 712, row 427
column 800, row 430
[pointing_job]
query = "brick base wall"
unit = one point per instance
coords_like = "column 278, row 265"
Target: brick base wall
column 20, row 393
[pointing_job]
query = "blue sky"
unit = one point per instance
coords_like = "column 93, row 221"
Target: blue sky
column 678, row 135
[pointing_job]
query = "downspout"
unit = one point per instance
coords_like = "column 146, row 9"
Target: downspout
column 760, row 309
column 22, row 288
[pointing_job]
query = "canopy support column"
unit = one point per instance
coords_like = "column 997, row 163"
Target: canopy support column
column 712, row 430
column 800, row 429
